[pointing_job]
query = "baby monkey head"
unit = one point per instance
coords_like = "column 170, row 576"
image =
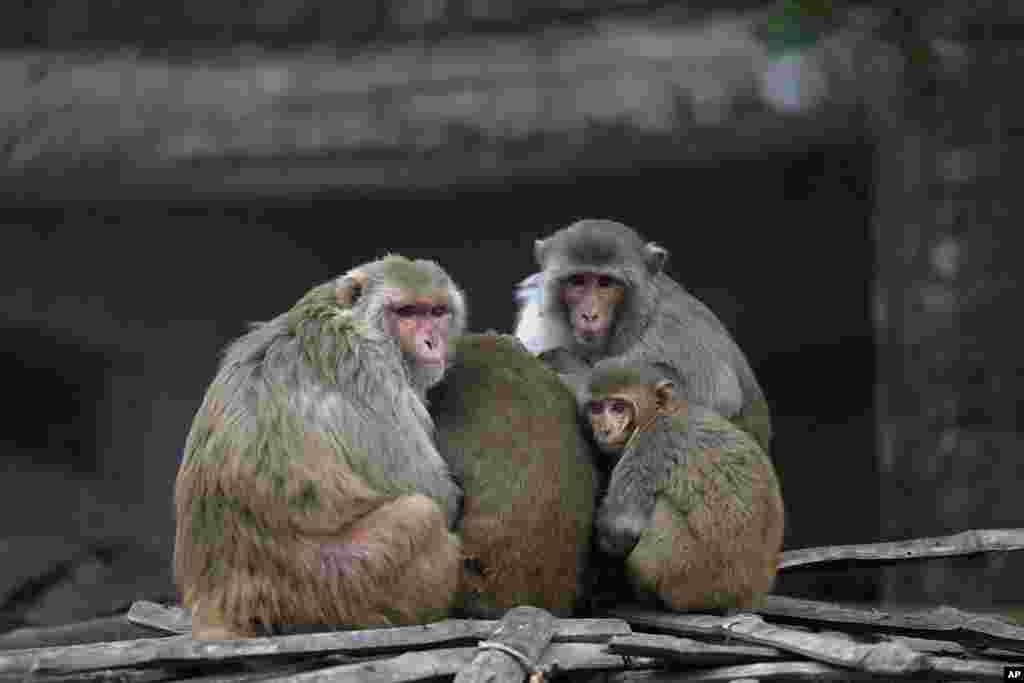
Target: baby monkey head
column 622, row 398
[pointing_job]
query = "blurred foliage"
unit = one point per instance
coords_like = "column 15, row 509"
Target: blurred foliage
column 796, row 24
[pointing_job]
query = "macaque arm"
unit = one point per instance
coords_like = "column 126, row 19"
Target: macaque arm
column 643, row 471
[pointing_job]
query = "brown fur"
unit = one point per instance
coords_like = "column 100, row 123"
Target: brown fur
column 724, row 556
column 509, row 426
column 276, row 529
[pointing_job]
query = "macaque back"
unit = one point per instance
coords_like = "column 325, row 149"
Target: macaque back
column 509, row 430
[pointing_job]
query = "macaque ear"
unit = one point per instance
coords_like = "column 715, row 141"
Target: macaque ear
column 540, row 250
column 655, row 257
column 350, row 288
column 664, row 392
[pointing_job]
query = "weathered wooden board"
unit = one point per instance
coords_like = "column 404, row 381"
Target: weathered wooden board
column 945, row 622
column 963, row 543
column 178, row 649
column 514, row 649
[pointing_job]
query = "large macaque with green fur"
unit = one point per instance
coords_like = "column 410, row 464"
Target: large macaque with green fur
column 602, row 292
column 510, row 431
column 693, row 507
column 311, row 493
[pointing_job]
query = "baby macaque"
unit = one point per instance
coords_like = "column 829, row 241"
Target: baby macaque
column 693, row 504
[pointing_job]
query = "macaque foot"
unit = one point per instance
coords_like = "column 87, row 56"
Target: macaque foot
column 209, row 624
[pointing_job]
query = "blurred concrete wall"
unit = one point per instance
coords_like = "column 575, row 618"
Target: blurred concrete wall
column 947, row 295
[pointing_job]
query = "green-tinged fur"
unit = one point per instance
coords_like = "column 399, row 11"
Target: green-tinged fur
column 730, row 472
column 533, row 392
column 317, row 316
column 208, row 518
column 617, row 373
column 755, row 419
column 311, row 492
column 715, row 534
column 509, row 427
column 401, row 270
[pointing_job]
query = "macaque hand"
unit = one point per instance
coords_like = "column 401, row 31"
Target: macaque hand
column 618, row 533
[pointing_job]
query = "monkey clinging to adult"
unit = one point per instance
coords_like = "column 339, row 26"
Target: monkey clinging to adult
column 602, row 292
column 311, row 493
column 510, row 431
column 693, row 504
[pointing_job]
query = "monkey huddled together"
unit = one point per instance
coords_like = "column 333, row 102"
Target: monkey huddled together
column 360, row 461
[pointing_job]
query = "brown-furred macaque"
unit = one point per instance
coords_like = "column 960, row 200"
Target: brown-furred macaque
column 311, row 493
column 693, row 506
column 602, row 292
column 510, row 432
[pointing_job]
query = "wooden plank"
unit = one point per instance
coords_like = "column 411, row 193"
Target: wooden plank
column 444, row 662
column 963, row 543
column 514, row 649
column 590, row 657
column 99, row 676
column 99, row 630
column 690, row 652
column 170, row 618
column 975, row 668
column 177, row 649
column 788, row 671
column 174, row 619
column 886, row 658
column 952, row 623
column 892, row 658
column 411, row 666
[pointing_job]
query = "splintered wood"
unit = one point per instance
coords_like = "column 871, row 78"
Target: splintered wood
column 784, row 639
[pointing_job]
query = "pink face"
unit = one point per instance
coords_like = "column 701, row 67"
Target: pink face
column 422, row 328
column 611, row 420
column 592, row 299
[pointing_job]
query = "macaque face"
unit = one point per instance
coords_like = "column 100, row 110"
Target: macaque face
column 592, row 300
column 422, row 327
column 612, row 421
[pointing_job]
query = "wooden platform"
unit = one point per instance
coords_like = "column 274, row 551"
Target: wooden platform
column 782, row 640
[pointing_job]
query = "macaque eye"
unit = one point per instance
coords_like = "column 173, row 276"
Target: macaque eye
column 576, row 280
column 618, row 407
column 605, row 281
column 406, row 311
column 439, row 311
column 594, row 407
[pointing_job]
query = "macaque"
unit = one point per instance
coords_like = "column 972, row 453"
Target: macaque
column 311, row 493
column 602, row 293
column 511, row 435
column 693, row 505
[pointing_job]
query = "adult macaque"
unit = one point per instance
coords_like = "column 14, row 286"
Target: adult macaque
column 602, row 293
column 510, row 432
column 693, row 505
column 311, row 493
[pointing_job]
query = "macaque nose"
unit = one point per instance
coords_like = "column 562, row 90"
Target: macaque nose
column 429, row 343
column 590, row 317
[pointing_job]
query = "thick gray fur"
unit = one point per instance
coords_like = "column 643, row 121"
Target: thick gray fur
column 368, row 402
column 660, row 320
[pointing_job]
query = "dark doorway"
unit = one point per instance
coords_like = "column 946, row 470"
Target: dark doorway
column 56, row 386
